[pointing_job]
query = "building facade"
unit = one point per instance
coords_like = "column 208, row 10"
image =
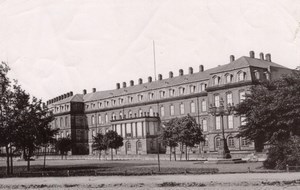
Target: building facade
column 137, row 111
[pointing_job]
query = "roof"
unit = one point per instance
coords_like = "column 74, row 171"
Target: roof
column 242, row 62
column 245, row 62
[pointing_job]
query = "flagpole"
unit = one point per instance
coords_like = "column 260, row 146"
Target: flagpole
column 154, row 60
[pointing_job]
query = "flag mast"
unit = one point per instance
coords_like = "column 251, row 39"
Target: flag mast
column 154, row 60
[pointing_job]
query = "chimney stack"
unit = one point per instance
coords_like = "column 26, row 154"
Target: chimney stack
column 64, row 96
column 160, row 77
column 84, row 91
column 131, row 83
column 149, row 79
column 180, row 72
column 140, row 81
column 94, row 90
column 190, row 70
column 170, row 74
column 252, row 55
column 201, row 68
column 68, row 94
column 124, row 84
column 231, row 58
column 71, row 93
column 261, row 55
column 118, row 85
column 268, row 57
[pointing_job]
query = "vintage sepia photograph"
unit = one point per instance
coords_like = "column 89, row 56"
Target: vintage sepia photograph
column 149, row 94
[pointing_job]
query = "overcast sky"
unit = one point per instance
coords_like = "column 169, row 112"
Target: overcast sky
column 54, row 47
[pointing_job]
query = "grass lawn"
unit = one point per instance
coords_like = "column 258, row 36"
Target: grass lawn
column 131, row 167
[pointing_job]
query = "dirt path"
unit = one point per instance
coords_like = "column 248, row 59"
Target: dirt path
column 216, row 181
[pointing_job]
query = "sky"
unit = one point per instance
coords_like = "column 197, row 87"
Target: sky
column 54, row 47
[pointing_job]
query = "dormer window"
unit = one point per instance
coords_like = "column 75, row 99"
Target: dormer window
column 87, row 106
column 130, row 99
column 99, row 104
column 151, row 96
column 120, row 101
column 241, row 76
column 107, row 103
column 162, row 94
column 140, row 97
column 171, row 92
column 113, row 102
column 192, row 88
column 256, row 74
column 181, row 90
column 216, row 80
column 202, row 87
column 228, row 78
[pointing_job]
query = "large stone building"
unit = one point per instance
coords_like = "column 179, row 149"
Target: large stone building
column 136, row 111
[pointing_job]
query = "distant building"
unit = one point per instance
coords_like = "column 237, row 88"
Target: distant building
column 136, row 111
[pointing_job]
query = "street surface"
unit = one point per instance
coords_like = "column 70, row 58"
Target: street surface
column 246, row 181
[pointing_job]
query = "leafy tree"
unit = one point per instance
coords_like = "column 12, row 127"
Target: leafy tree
column 113, row 141
column 272, row 110
column 99, row 143
column 63, row 145
column 170, row 135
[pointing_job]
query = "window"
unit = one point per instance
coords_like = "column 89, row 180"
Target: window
column 93, row 120
column 113, row 116
column 242, row 95
column 171, row 92
column 151, row 112
column 61, row 122
column 94, row 133
column 218, row 142
column 128, row 146
column 241, row 76
column 204, row 125
column 130, row 114
column 121, row 115
column 206, row 141
column 202, row 87
column 130, row 99
column 121, row 101
column 218, row 122
column 99, row 104
column 162, row 111
column 192, row 89
column 140, row 113
column 267, row 75
column 216, row 80
column 66, row 121
column 243, row 120
column 140, row 97
column 93, row 105
column 230, row 121
column 181, row 90
column 193, row 109
column 228, row 78
column 217, row 100
column 86, row 106
column 172, row 110
column 229, row 98
column 107, row 103
column 128, row 130
column 230, row 141
column 151, row 96
column 106, row 118
column 245, row 142
column 181, row 108
column 256, row 74
column 203, row 105
column 113, row 102
column 162, row 94
column 99, row 119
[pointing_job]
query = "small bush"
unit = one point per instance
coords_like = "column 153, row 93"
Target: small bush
column 283, row 153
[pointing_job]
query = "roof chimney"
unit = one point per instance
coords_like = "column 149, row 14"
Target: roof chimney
column 59, row 98
column 268, row 57
column 170, row 74
column 180, row 72
column 124, row 84
column 94, row 90
column 118, row 85
column 190, row 70
column 140, row 81
column 261, row 55
column 231, row 58
column 201, row 68
column 149, row 79
column 84, row 91
column 68, row 94
column 71, row 93
column 252, row 55
column 160, row 77
column 131, row 83
column 64, row 96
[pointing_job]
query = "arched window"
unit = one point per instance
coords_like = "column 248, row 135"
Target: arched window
column 172, row 111
column 193, row 109
column 229, row 98
column 181, row 90
column 162, row 111
column 218, row 142
column 242, row 95
column 202, row 87
column 151, row 112
column 140, row 113
column 106, row 118
column 93, row 120
column 230, row 141
column 192, row 88
column 241, row 76
column 139, row 146
column 217, row 100
column 204, row 125
column 61, row 122
column 128, row 146
column 99, row 119
column 203, row 105
column 130, row 114
column 216, row 80
column 181, row 108
column 228, row 78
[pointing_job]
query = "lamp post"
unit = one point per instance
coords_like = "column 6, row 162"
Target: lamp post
column 221, row 111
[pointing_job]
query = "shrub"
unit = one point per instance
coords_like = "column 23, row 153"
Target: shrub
column 283, row 153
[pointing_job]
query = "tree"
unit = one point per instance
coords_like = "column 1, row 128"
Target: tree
column 63, row 145
column 170, row 135
column 113, row 141
column 99, row 143
column 272, row 110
